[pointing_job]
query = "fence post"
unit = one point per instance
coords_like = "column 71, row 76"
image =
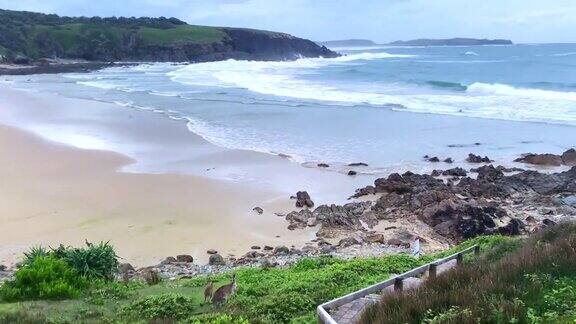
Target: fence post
column 477, row 250
column 459, row 259
column 398, row 284
column 432, row 270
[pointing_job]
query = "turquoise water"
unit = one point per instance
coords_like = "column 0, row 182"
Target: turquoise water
column 384, row 105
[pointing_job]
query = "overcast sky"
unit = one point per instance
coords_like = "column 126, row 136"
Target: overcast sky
column 380, row 20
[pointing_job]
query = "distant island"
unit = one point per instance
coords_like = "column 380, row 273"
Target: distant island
column 452, row 42
column 347, row 43
column 27, row 37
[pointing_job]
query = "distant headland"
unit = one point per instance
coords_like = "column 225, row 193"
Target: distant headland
column 451, row 42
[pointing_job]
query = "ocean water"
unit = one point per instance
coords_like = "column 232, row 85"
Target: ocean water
column 383, row 105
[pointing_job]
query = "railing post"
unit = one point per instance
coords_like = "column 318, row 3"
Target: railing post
column 398, row 284
column 459, row 259
column 432, row 270
column 477, row 250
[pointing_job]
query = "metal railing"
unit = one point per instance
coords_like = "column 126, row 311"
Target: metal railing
column 323, row 310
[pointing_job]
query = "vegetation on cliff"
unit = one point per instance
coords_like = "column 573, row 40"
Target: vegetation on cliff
column 535, row 283
column 28, row 35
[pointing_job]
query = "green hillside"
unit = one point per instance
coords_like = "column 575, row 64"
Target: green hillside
column 28, row 35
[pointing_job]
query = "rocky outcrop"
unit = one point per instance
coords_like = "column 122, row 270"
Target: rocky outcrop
column 472, row 158
column 567, row 158
column 303, row 200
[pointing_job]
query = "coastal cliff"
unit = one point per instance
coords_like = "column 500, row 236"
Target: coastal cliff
column 28, row 36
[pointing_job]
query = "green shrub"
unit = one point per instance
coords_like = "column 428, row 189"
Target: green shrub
column 93, row 261
column 216, row 319
column 44, row 278
column 164, row 306
column 33, row 253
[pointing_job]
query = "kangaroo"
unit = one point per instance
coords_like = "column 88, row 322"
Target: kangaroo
column 208, row 291
column 224, row 292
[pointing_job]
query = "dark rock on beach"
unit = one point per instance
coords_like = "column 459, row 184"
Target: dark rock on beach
column 472, row 158
column 352, row 173
column 323, row 165
column 216, row 259
column 455, row 172
column 567, row 158
column 359, row 164
column 184, row 258
column 303, row 200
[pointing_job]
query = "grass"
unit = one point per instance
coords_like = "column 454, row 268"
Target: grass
column 534, row 283
column 181, row 34
column 276, row 295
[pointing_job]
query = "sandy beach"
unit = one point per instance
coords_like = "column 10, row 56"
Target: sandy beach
column 53, row 194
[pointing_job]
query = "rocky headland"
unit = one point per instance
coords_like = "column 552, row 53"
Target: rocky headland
column 36, row 43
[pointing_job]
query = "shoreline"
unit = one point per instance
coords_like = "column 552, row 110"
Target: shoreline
column 54, row 194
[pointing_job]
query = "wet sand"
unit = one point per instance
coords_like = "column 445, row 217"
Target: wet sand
column 51, row 194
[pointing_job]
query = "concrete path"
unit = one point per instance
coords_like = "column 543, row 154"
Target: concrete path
column 350, row 313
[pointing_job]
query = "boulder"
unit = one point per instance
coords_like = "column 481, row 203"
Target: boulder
column 123, row 268
column 184, row 258
column 368, row 190
column 548, row 222
column 352, row 173
column 455, row 172
column 448, row 160
column 569, row 157
column 514, row 227
column 323, row 165
column 168, row 260
column 436, row 173
column 374, row 238
column 216, row 259
column 259, row 210
column 541, row 159
column 281, row 250
column 472, row 158
column 255, row 247
column 398, row 242
column 299, row 219
column 303, row 200
column 348, row 241
column 212, row 251
column 434, row 159
column 268, row 248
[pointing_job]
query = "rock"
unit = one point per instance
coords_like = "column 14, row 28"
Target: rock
column 281, row 250
column 448, row 160
column 266, row 263
column 398, row 242
column 569, row 157
column 184, row 258
column 150, row 275
column 303, row 200
column 168, row 260
column 368, row 190
column 489, row 173
column 530, row 219
column 434, row 159
column 21, row 59
column 352, row 173
column 477, row 159
column 268, row 248
column 349, row 241
column 327, row 249
column 323, row 165
column 436, row 173
column 359, row 164
column 508, row 170
column 259, row 210
column 123, row 268
column 255, row 247
column 212, row 251
column 548, row 222
column 299, row 219
column 216, row 259
column 312, row 221
column 514, row 227
column 541, row 159
column 374, row 238
column 3, row 267
column 455, row 172
column 349, row 217
column 569, row 200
